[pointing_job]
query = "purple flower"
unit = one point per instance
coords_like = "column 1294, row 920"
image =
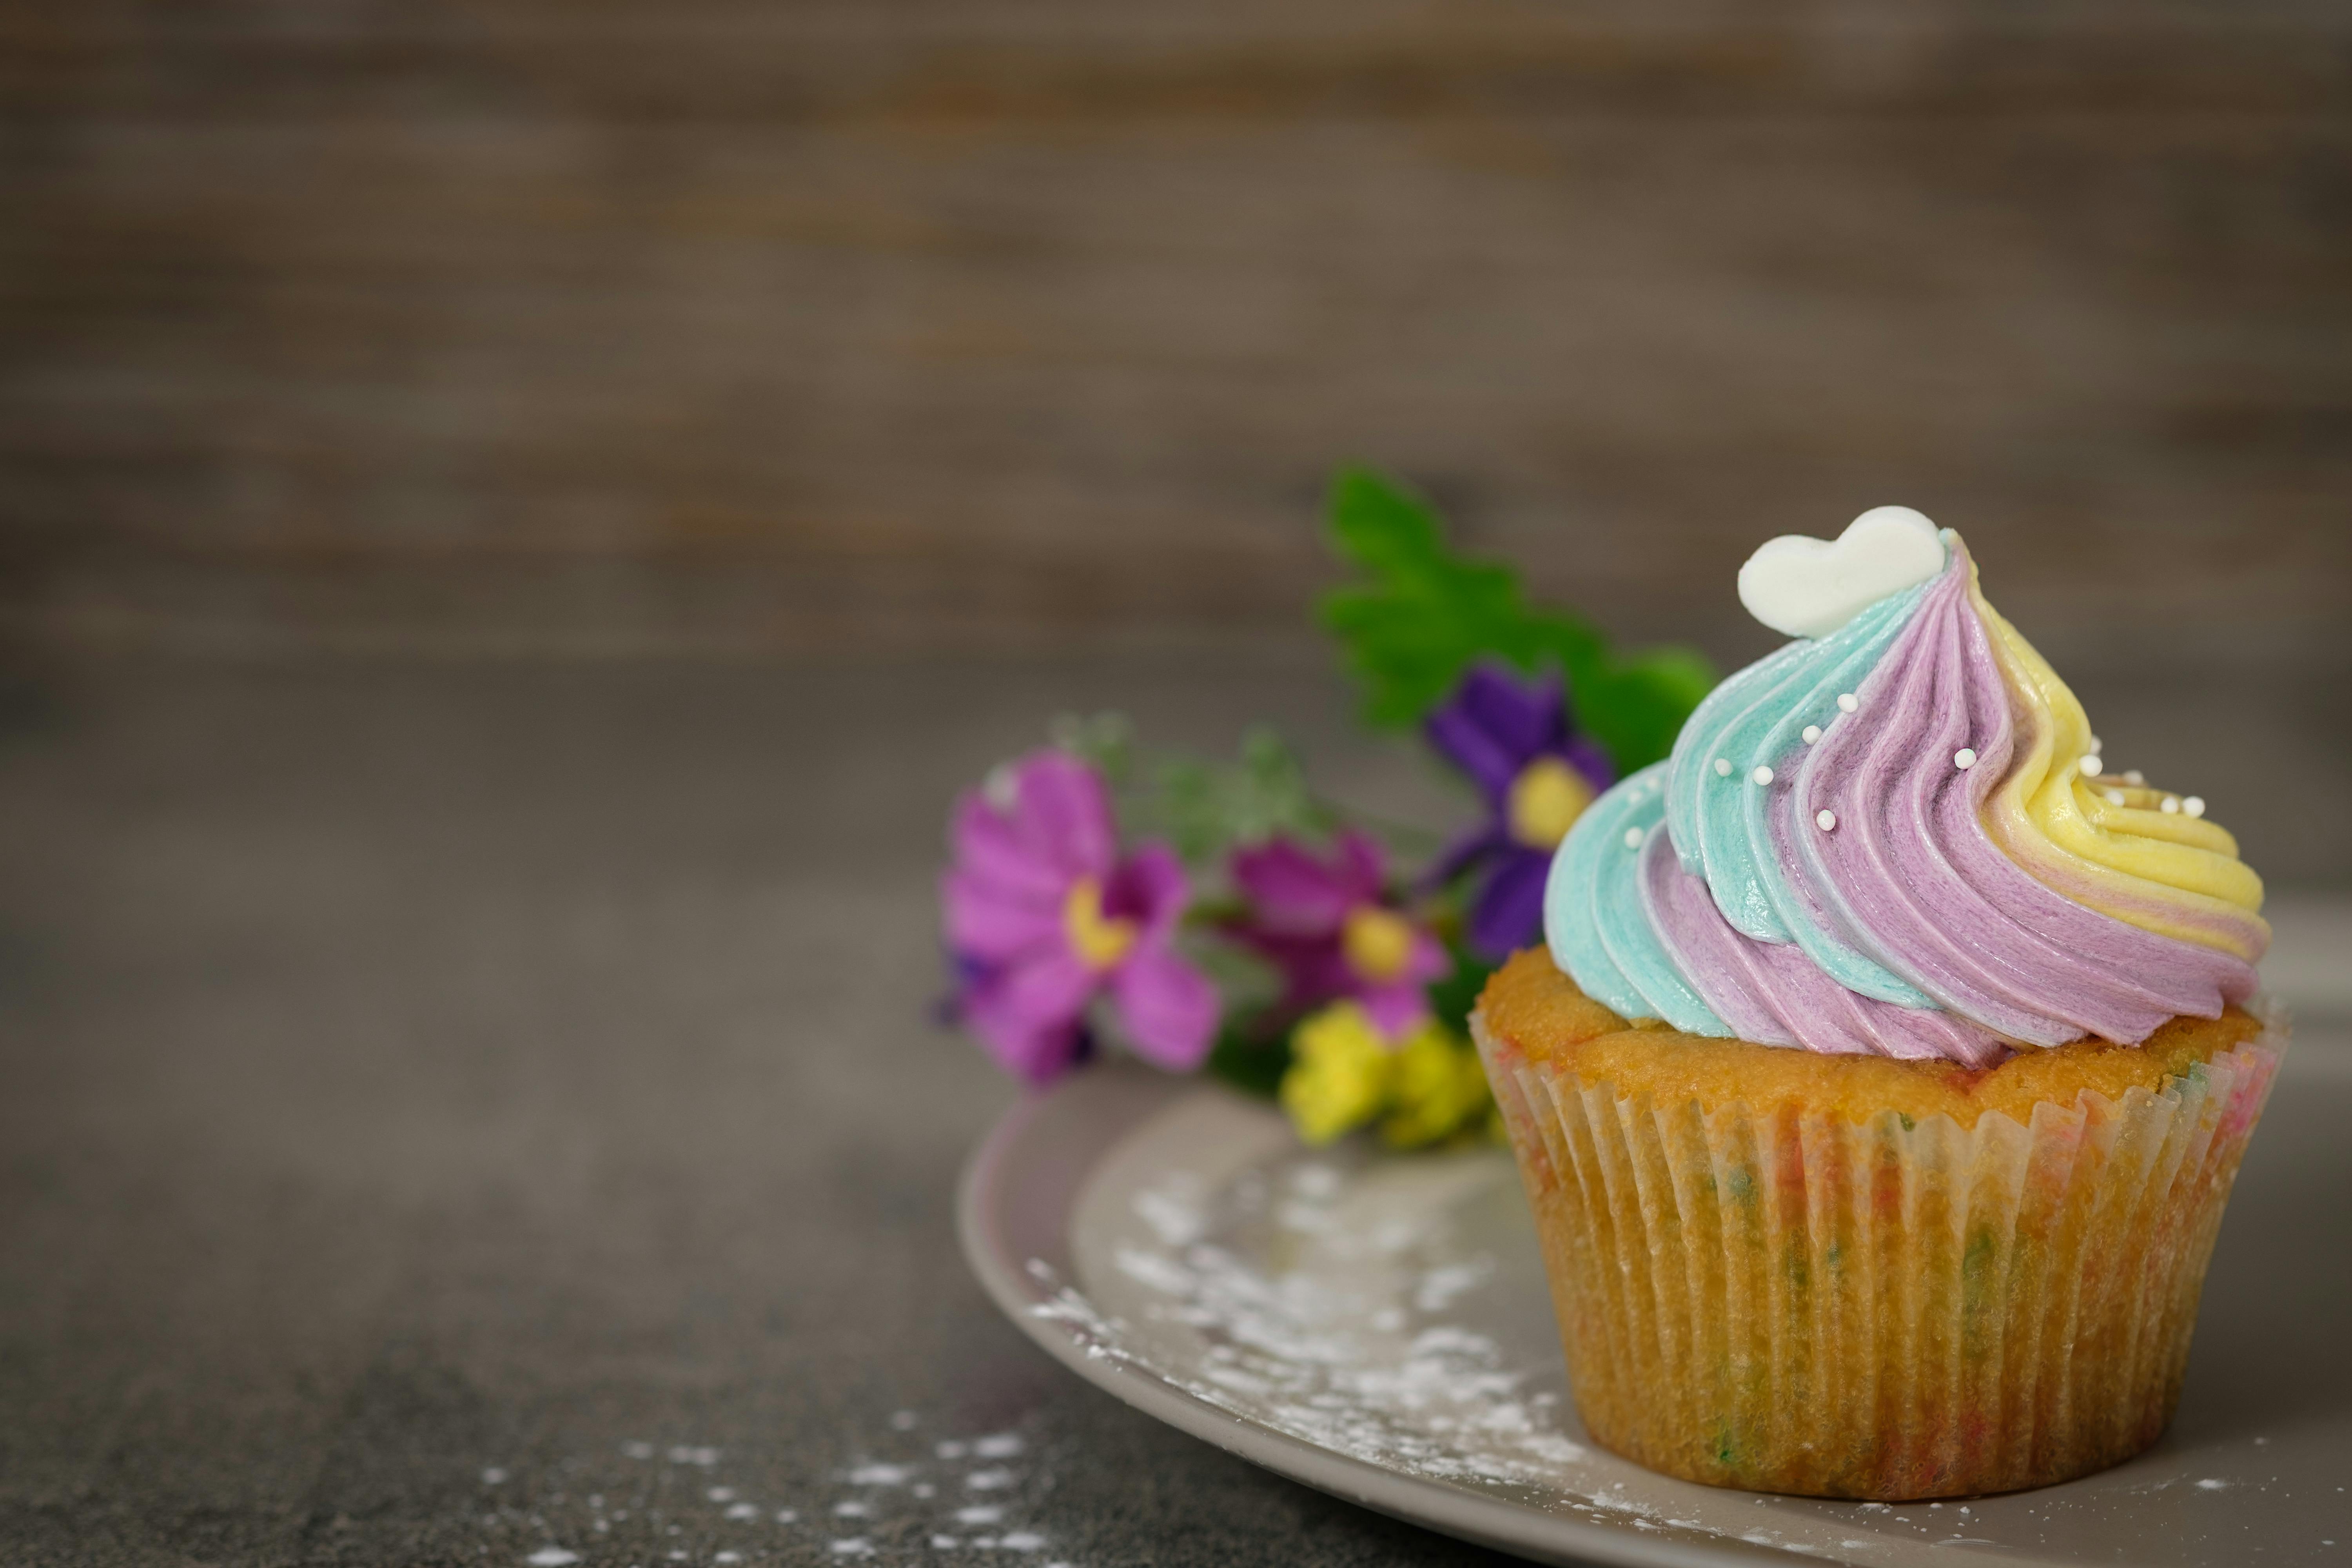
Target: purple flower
column 1043, row 915
column 1517, row 741
column 1327, row 926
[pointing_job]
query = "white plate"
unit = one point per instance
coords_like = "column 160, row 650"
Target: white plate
column 1378, row 1327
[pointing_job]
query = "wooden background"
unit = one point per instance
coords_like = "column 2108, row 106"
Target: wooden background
column 968, row 325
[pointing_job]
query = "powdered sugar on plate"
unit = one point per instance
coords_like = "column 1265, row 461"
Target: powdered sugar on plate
column 1317, row 1294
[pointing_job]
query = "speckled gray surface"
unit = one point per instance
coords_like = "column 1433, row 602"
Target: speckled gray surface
column 425, row 1082
column 418, row 1073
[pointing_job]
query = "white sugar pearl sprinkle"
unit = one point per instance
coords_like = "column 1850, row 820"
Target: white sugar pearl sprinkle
column 1847, row 702
column 2194, row 805
column 2169, row 804
column 1825, row 819
column 1762, row 775
column 2114, row 797
column 1813, row 732
column 1633, row 838
column 2091, row 765
column 1966, row 757
column 2134, row 776
column 1723, row 767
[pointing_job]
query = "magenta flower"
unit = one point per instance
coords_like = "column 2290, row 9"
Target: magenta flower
column 1327, row 927
column 1043, row 915
column 1518, row 741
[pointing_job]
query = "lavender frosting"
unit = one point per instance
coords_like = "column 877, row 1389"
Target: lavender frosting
column 1815, row 864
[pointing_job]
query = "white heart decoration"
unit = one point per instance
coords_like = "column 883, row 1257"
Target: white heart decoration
column 1808, row 587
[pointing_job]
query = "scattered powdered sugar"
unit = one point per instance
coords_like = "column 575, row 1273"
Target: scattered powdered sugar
column 1317, row 1182
column 679, row 1511
column 1174, row 1211
column 881, row 1475
column 1440, row 1287
column 1332, row 1354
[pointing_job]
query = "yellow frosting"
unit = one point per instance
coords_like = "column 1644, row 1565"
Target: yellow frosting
column 2167, row 872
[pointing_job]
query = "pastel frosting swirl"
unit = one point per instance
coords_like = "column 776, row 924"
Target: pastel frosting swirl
column 1882, row 840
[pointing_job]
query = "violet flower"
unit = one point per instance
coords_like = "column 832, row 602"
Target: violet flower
column 1327, row 927
column 1516, row 740
column 1043, row 915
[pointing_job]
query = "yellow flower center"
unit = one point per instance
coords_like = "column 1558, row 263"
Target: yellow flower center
column 1095, row 938
column 1376, row 942
column 1545, row 799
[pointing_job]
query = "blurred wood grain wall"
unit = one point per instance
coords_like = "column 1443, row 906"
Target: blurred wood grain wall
column 966, row 324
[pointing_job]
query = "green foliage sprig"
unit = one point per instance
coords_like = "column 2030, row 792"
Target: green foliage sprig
column 1428, row 614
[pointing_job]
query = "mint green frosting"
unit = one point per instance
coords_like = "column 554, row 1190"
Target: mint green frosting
column 1593, row 914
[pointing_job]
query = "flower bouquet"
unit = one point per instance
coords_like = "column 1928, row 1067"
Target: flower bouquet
column 1227, row 917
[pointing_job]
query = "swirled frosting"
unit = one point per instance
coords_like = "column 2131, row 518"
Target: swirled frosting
column 1888, row 839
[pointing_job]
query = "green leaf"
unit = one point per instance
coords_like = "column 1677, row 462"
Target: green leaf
column 1208, row 807
column 1456, row 996
column 1428, row 614
column 1105, row 739
column 1250, row 1057
column 1635, row 706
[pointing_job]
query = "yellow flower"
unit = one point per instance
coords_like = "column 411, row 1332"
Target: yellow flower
column 1341, row 1069
column 1376, row 942
column 1437, row 1088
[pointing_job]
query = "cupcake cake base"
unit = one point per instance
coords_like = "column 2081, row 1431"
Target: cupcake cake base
column 1861, row 1278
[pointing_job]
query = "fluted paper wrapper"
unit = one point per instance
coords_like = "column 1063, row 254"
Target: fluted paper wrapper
column 1804, row 1303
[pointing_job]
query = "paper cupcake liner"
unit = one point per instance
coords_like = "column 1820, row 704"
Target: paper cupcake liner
column 1801, row 1304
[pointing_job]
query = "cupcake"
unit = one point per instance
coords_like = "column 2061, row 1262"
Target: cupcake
column 1884, row 1075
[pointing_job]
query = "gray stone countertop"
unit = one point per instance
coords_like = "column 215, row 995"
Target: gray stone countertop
column 451, row 1105
column 482, row 1114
